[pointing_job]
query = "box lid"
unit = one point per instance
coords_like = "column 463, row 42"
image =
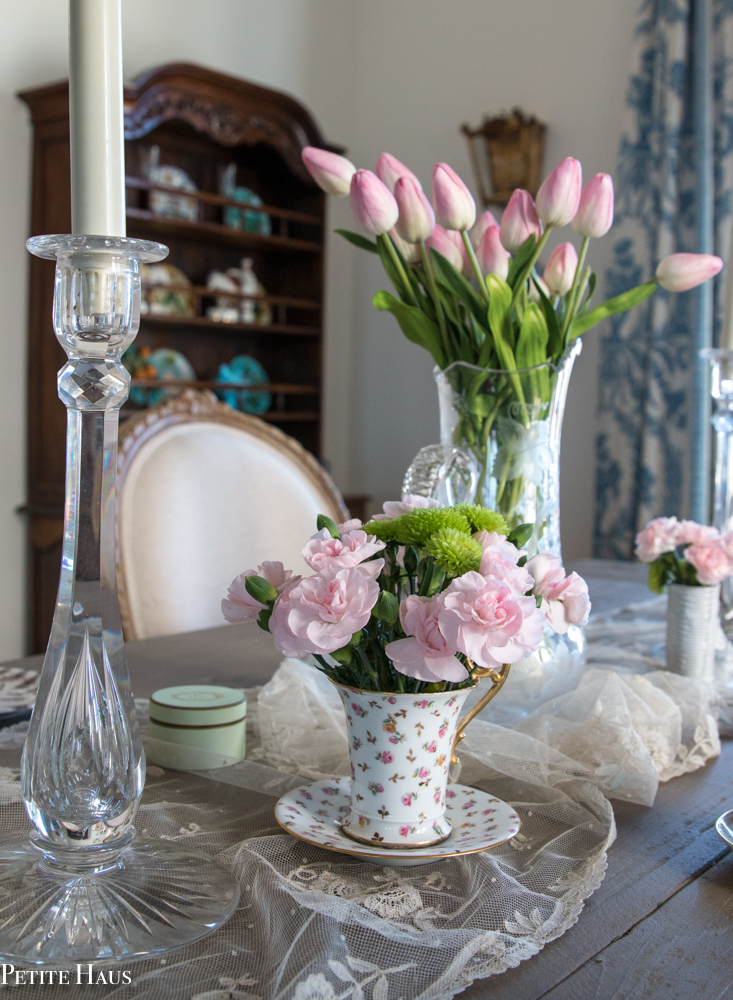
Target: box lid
column 198, row 705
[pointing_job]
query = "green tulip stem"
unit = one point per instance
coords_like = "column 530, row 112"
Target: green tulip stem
column 573, row 293
column 398, row 264
column 527, row 270
column 475, row 265
column 430, row 278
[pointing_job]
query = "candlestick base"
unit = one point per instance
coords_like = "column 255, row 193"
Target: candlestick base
column 154, row 897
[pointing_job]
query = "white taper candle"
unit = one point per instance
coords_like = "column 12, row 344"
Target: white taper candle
column 95, row 118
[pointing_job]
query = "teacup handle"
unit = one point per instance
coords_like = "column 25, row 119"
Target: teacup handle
column 497, row 678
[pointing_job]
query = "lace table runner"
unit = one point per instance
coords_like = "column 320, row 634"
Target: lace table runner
column 313, row 925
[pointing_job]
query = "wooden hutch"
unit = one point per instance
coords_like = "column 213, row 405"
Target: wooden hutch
column 202, row 122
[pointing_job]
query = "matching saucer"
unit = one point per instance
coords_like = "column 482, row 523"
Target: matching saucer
column 313, row 813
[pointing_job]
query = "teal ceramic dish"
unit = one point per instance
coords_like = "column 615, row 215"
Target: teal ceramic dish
column 242, row 218
column 169, row 366
column 244, row 370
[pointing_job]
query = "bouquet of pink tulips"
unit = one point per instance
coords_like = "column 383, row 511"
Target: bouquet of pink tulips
column 413, row 601
column 467, row 288
column 684, row 552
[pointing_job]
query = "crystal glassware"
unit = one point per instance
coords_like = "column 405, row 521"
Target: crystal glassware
column 83, row 889
column 721, row 363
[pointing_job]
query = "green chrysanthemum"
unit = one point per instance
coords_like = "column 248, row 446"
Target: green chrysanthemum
column 482, row 518
column 454, row 551
column 417, row 526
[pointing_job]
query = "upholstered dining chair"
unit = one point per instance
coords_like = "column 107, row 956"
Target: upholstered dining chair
column 204, row 493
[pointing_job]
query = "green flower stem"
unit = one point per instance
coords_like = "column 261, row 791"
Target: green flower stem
column 583, row 286
column 398, row 264
column 430, row 278
column 573, row 293
column 475, row 265
column 531, row 263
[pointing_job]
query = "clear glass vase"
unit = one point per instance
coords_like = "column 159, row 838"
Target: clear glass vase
column 721, row 364
column 83, row 889
column 500, row 444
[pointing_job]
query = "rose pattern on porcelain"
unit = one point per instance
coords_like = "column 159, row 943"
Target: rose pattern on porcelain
column 400, row 747
column 314, row 813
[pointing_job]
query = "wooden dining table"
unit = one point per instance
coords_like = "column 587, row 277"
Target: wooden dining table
column 660, row 927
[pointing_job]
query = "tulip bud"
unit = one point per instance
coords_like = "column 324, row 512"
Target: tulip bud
column 595, row 211
column 417, row 219
column 389, row 171
column 410, row 251
column 681, row 271
column 561, row 268
column 331, row 172
column 483, row 222
column 492, row 256
column 372, row 203
column 444, row 243
column 559, row 194
column 519, row 221
column 453, row 202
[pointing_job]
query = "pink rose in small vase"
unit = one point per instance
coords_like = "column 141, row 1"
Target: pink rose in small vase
column 488, row 622
column 565, row 599
column 658, row 537
column 690, row 533
column 711, row 561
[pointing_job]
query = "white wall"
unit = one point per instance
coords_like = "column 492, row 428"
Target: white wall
column 400, row 75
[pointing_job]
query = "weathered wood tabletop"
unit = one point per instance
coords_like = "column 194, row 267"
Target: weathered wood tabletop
column 660, row 927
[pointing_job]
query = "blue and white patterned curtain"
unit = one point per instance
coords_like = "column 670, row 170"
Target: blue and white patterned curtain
column 643, row 447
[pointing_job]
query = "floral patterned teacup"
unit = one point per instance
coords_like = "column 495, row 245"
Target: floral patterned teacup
column 401, row 747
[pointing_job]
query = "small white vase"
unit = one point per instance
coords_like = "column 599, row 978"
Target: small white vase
column 692, row 630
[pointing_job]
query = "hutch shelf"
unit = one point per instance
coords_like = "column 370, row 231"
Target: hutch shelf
column 201, row 122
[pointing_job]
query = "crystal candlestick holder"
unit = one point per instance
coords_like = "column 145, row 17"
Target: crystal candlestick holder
column 721, row 362
column 83, row 889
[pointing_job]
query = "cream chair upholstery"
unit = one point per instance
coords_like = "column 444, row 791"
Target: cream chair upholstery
column 204, row 493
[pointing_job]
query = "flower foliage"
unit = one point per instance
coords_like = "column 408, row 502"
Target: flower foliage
column 413, row 600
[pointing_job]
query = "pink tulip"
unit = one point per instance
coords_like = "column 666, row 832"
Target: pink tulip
column 681, row 271
column 519, row 221
column 389, row 171
column 444, row 243
column 372, row 203
column 559, row 196
column 417, row 219
column 331, row 172
column 560, row 269
column 595, row 211
column 492, row 256
column 484, row 222
column 410, row 251
column 453, row 202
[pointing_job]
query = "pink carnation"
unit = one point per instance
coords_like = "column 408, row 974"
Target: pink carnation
column 711, row 560
column 690, row 532
column 351, row 525
column 425, row 654
column 565, row 598
column 488, row 622
column 322, row 612
column 658, row 537
column 322, row 551
column 499, row 561
column 410, row 501
column 238, row 606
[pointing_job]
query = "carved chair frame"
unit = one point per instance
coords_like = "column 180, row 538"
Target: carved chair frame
column 196, row 406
